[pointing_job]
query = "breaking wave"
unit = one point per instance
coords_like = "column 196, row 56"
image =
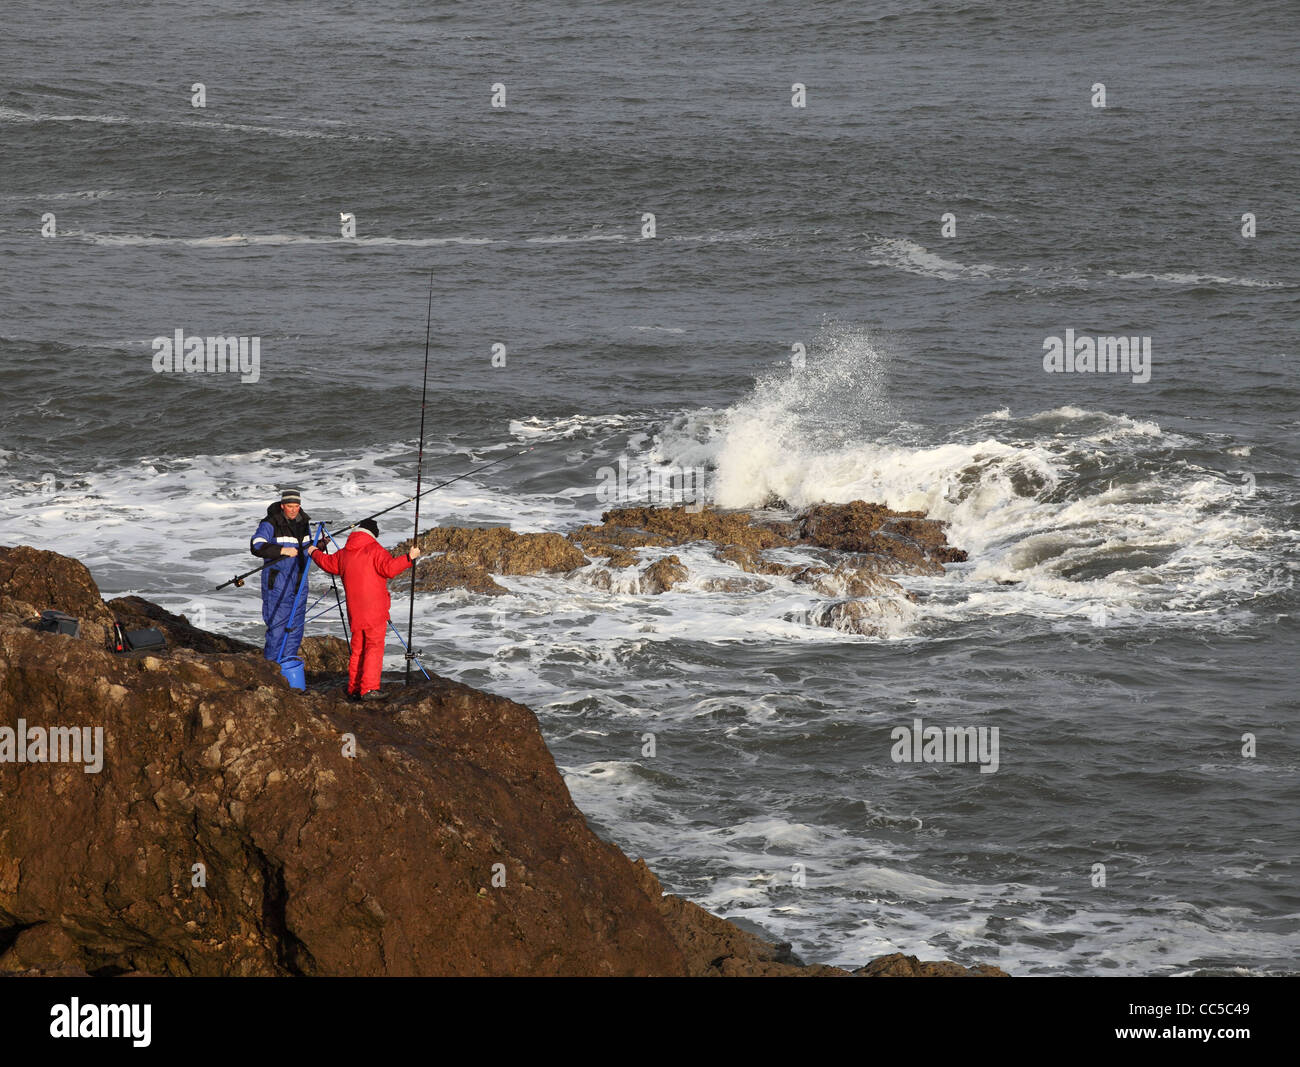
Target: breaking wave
column 1060, row 510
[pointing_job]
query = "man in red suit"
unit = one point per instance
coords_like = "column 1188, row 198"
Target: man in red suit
column 366, row 567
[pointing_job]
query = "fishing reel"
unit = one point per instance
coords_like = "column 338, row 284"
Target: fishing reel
column 238, row 582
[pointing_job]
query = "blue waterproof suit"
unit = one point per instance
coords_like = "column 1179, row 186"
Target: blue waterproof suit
column 280, row 579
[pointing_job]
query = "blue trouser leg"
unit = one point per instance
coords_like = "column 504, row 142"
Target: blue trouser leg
column 274, row 627
column 277, row 607
column 295, row 622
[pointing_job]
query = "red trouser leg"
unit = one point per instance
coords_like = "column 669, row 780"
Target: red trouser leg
column 354, row 661
column 372, row 655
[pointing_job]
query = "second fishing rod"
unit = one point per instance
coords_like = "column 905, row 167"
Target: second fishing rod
column 419, row 471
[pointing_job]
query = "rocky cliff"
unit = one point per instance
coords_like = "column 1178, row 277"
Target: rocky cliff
column 235, row 827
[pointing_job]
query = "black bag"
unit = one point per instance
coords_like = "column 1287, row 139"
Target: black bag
column 134, row 640
column 57, row 622
column 150, row 638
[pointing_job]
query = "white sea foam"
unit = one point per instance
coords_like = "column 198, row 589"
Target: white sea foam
column 566, row 427
column 1185, row 278
column 241, row 240
column 1069, row 417
column 565, row 239
column 81, row 194
column 273, row 131
column 904, row 254
column 900, row 253
column 868, row 887
column 9, row 114
column 16, row 116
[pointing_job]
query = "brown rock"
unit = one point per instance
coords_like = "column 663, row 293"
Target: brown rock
column 783, row 528
column 848, row 581
column 754, row 563
column 809, row 575
column 838, row 525
column 633, row 527
column 32, row 581
column 19, row 608
column 48, row 580
column 614, row 536
column 500, row 550
column 613, row 556
column 898, row 965
column 737, row 555
column 436, row 573
column 867, row 617
column 597, row 577
column 735, row 585
column 662, row 575
column 861, row 527
column 324, row 654
column 880, row 540
column 314, row 863
column 44, row 947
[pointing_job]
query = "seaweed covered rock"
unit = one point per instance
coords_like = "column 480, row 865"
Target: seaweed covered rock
column 436, row 573
column 861, row 542
column 662, row 575
column 898, row 965
column 499, row 550
column 634, row 527
column 612, row 555
column 870, row 616
column 858, row 526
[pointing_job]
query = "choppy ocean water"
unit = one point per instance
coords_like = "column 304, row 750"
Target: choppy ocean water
column 1127, row 613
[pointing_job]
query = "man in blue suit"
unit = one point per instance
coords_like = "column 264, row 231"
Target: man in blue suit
column 283, row 537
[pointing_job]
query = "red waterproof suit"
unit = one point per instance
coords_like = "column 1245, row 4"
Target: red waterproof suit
column 366, row 567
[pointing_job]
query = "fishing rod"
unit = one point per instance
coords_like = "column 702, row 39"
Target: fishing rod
column 419, row 470
column 434, row 489
column 238, row 579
